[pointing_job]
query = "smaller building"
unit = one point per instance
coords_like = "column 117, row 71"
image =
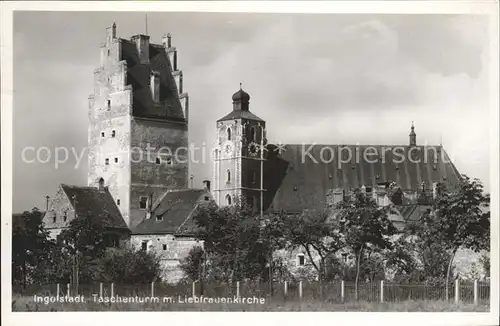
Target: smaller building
column 72, row 202
column 168, row 228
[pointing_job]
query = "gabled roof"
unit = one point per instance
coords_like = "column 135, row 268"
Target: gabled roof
column 97, row 203
column 295, row 181
column 171, row 213
column 138, row 76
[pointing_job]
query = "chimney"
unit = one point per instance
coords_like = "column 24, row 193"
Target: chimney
column 206, row 184
column 142, row 43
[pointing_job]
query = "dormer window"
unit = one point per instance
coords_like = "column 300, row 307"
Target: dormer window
column 159, row 218
column 155, row 86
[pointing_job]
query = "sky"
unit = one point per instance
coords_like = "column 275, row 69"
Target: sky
column 314, row 78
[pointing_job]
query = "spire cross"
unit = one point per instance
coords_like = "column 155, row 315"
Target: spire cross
column 241, row 85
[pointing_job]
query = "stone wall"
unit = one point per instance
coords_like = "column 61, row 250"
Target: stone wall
column 172, row 250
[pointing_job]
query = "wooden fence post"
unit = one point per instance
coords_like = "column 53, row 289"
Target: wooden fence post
column 57, row 289
column 476, row 298
column 300, row 289
column 286, row 288
column 382, row 291
column 342, row 290
column 152, row 289
column 68, row 289
column 112, row 289
column 101, row 289
column 237, row 289
column 457, row 291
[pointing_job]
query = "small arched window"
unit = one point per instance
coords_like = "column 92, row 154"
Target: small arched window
column 228, row 176
column 228, row 199
column 228, row 133
column 252, row 134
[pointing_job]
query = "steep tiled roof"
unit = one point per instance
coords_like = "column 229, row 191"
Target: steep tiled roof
column 295, row 181
column 138, row 76
column 171, row 213
column 97, row 203
column 240, row 114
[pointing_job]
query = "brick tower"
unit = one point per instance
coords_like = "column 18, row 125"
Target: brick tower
column 138, row 123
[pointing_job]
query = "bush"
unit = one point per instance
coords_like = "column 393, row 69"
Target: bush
column 127, row 266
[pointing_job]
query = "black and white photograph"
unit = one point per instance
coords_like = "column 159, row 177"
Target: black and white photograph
column 239, row 160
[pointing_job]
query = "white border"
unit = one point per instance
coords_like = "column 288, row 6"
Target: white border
column 83, row 318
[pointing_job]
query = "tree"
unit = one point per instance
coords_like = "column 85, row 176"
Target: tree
column 460, row 218
column 192, row 265
column 232, row 240
column 363, row 224
column 84, row 241
column 315, row 232
column 30, row 246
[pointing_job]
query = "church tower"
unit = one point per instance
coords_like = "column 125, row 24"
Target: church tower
column 238, row 158
column 138, row 123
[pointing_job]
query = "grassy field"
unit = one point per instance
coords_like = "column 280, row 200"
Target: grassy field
column 24, row 303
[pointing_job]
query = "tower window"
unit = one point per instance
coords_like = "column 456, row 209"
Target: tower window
column 116, row 159
column 65, row 217
column 106, row 161
column 254, row 177
column 118, row 202
column 165, row 247
column 252, row 134
column 54, row 218
column 228, row 133
column 143, row 202
column 228, row 199
column 102, row 134
column 113, row 133
column 109, row 52
column 109, row 104
column 228, row 176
